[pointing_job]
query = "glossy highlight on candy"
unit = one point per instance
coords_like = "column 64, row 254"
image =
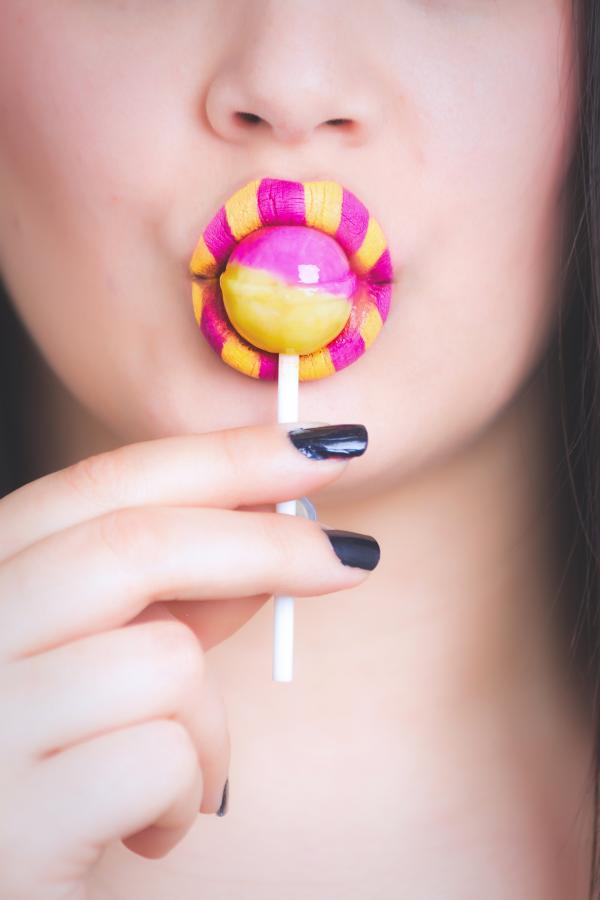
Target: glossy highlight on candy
column 322, row 205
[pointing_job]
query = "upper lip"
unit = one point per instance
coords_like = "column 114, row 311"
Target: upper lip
column 240, row 215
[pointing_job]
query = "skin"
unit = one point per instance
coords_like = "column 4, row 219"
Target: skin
column 119, row 142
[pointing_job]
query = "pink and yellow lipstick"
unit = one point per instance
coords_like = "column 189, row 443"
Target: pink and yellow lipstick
column 291, row 267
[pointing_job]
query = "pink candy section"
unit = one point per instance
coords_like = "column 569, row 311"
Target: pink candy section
column 281, row 250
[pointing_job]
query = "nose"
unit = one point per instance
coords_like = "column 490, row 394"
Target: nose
column 293, row 70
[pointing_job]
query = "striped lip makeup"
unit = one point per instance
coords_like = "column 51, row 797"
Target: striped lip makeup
column 326, row 206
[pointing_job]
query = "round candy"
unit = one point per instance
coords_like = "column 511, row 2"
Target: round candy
column 228, row 265
column 288, row 289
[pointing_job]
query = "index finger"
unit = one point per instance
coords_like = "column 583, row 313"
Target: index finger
column 237, row 466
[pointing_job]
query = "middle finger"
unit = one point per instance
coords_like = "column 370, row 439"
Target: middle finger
column 100, row 574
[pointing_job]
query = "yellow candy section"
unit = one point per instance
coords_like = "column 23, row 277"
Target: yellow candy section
column 278, row 317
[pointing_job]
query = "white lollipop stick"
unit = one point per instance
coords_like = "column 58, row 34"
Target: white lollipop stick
column 283, row 611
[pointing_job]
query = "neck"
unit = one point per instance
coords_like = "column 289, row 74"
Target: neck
column 58, row 431
column 472, row 583
column 460, row 628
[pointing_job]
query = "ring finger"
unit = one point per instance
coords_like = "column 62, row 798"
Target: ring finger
column 148, row 670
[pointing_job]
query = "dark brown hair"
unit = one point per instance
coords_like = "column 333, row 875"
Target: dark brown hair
column 578, row 366
column 575, row 351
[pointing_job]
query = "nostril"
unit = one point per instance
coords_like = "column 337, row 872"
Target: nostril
column 250, row 118
column 253, row 119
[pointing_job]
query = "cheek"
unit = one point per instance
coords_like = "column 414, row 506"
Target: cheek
column 81, row 133
column 81, row 94
column 49, row 145
column 482, row 297
column 58, row 175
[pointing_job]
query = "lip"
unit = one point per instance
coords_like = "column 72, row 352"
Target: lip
column 325, row 205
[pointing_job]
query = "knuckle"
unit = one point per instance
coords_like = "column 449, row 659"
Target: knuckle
column 172, row 742
column 178, row 648
column 278, row 534
column 233, row 457
column 133, row 534
column 99, row 478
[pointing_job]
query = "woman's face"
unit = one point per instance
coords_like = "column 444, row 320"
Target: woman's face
column 120, row 141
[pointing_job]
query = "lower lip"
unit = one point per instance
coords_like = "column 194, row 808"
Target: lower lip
column 326, row 206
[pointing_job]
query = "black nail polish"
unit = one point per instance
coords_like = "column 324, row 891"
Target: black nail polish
column 354, row 549
column 224, row 800
column 330, row 441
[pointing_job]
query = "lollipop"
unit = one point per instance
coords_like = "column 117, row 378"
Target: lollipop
column 291, row 281
column 277, row 300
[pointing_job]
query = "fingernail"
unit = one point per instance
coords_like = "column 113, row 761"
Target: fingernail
column 224, row 800
column 330, row 441
column 354, row 549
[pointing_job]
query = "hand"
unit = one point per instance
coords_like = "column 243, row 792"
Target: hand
column 112, row 727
